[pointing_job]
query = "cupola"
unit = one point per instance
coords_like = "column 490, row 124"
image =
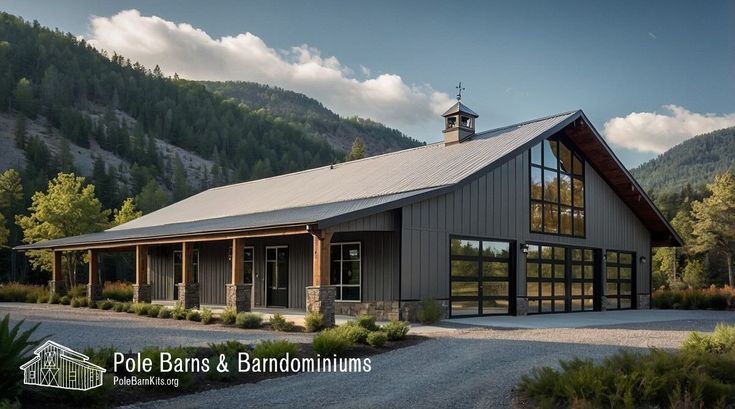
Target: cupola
column 459, row 121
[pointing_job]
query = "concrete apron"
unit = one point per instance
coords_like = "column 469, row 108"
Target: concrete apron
column 579, row 319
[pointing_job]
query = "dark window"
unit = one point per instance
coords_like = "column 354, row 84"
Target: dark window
column 346, row 270
column 480, row 277
column 620, row 280
column 249, row 260
column 557, row 189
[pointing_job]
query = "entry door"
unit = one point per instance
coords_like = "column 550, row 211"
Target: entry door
column 276, row 272
column 481, row 277
column 560, row 279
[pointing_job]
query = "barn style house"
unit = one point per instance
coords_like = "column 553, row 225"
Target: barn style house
column 532, row 218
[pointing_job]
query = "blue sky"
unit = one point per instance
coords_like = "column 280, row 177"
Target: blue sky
column 670, row 63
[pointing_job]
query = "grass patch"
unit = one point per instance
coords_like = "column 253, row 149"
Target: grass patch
column 118, row 291
column 248, row 320
column 16, row 292
column 276, row 349
column 712, row 298
column 330, row 342
column 314, row 322
column 279, row 323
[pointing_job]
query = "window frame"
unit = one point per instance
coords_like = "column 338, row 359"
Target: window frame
column 252, row 263
column 341, row 268
column 575, row 156
column 194, row 264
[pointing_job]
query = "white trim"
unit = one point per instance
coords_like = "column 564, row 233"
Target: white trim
column 340, row 285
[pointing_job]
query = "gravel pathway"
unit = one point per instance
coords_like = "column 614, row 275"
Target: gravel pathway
column 460, row 366
column 473, row 368
column 78, row 328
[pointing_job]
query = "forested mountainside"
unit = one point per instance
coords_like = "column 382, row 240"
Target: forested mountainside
column 312, row 117
column 680, row 174
column 66, row 106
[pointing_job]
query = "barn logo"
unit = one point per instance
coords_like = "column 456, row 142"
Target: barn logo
column 56, row 366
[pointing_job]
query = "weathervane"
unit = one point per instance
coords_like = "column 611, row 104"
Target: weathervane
column 460, row 88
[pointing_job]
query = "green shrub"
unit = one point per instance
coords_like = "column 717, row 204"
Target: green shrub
column 31, row 297
column 164, row 313
column 104, row 357
column 314, row 322
column 228, row 316
column 330, row 342
column 229, row 348
column 248, row 320
column 105, row 305
column 118, row 306
column 193, row 315
column 627, row 379
column 206, row 316
column 275, row 349
column 430, row 311
column 367, row 322
column 65, row 300
column 712, row 298
column 178, row 312
column 278, row 323
column 154, row 310
column 77, row 291
column 76, row 302
column 396, row 330
column 353, row 332
column 92, row 304
column 377, row 339
column 140, row 308
column 721, row 341
column 54, row 298
column 15, row 349
column 16, row 292
column 42, row 295
column 117, row 291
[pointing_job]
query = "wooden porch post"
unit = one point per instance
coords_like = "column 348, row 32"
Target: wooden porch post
column 238, row 293
column 56, row 284
column 141, row 288
column 188, row 289
column 94, row 291
column 320, row 296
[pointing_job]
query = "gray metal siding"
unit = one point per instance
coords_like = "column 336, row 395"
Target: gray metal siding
column 496, row 205
column 384, row 221
column 215, row 272
column 161, row 272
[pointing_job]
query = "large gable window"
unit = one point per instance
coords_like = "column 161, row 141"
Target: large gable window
column 557, row 189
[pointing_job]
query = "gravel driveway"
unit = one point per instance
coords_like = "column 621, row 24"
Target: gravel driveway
column 460, row 367
column 474, row 368
column 78, row 328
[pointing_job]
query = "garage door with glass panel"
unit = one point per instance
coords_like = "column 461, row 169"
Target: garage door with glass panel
column 620, row 280
column 559, row 279
column 481, row 277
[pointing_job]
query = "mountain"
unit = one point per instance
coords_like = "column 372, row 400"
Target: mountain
column 65, row 106
column 694, row 162
column 312, row 117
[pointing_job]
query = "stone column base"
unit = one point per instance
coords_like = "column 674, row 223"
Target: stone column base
column 238, row 296
column 521, row 306
column 142, row 293
column 644, row 302
column 94, row 292
column 56, row 287
column 603, row 303
column 321, row 299
column 189, row 295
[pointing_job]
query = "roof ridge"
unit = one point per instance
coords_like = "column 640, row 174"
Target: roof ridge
column 425, row 146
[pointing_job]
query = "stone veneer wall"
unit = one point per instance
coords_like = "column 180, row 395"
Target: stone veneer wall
column 381, row 310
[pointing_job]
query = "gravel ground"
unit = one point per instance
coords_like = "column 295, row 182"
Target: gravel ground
column 474, row 368
column 459, row 367
column 78, row 328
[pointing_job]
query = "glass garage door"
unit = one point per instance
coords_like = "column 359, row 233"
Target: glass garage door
column 481, row 277
column 560, row 279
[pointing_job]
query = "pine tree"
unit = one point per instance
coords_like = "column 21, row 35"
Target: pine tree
column 65, row 159
column 181, row 188
column 23, row 98
column 151, row 197
column 20, row 131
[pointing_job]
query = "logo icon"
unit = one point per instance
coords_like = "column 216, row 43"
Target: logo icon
column 57, row 366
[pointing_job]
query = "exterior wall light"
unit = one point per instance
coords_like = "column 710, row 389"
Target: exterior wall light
column 643, row 260
column 524, row 248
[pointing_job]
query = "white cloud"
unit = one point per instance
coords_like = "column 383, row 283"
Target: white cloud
column 654, row 132
column 194, row 54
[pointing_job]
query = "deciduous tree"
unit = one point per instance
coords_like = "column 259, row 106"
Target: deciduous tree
column 357, row 151
column 67, row 208
column 126, row 212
